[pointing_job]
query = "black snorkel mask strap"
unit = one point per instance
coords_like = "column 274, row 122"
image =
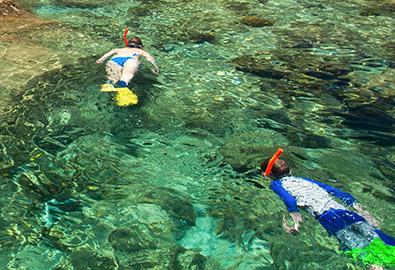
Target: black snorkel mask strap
column 135, row 45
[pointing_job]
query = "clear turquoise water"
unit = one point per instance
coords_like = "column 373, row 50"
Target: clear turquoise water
column 171, row 183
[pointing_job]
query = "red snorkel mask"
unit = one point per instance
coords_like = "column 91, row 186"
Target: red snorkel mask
column 272, row 160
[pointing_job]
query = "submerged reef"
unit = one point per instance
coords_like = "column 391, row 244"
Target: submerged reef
column 173, row 182
column 8, row 7
column 256, row 21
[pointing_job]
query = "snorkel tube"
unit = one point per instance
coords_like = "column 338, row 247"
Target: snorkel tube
column 272, row 160
column 125, row 37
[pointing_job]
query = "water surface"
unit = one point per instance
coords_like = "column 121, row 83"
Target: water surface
column 171, row 183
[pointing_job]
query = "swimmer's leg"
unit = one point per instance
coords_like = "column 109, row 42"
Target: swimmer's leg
column 122, row 84
column 125, row 96
column 129, row 69
column 114, row 71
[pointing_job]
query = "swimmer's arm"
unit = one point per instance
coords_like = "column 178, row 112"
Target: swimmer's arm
column 291, row 205
column 152, row 61
column 104, row 57
column 364, row 213
column 288, row 199
column 347, row 198
column 297, row 218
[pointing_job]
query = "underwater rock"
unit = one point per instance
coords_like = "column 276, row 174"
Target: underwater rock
column 242, row 7
column 182, row 258
column 137, row 247
column 245, row 151
column 335, row 69
column 175, row 207
column 42, row 54
column 327, row 166
column 8, row 7
column 86, row 258
column 240, row 157
column 131, row 239
column 9, row 235
column 83, row 3
column 14, row 24
column 378, row 85
column 150, row 214
column 370, row 107
column 202, row 37
column 304, row 62
column 385, row 192
column 308, row 139
column 145, row 8
column 37, row 185
column 192, row 29
column 370, row 12
column 370, row 118
column 36, row 257
column 68, row 231
column 260, row 67
column 389, row 50
column 379, row 8
column 303, row 70
column 256, row 21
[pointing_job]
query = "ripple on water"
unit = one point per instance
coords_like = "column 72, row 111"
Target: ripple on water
column 172, row 182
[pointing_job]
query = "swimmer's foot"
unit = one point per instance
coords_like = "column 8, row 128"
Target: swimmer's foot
column 108, row 88
column 125, row 97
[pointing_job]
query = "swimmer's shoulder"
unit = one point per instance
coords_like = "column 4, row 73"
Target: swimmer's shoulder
column 138, row 51
column 143, row 52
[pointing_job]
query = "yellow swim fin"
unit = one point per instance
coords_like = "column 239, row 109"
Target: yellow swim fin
column 108, row 88
column 126, row 97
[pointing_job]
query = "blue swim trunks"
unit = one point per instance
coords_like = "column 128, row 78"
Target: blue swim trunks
column 121, row 60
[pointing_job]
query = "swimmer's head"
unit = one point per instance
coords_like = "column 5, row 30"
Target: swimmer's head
column 280, row 168
column 135, row 42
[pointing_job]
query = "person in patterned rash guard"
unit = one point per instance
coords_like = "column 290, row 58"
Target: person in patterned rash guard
column 358, row 234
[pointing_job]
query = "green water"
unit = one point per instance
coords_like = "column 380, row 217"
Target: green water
column 171, row 183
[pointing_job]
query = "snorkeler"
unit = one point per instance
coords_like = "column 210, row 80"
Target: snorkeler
column 122, row 68
column 125, row 63
column 358, row 234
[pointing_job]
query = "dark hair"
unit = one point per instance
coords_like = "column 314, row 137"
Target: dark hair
column 280, row 168
column 135, row 42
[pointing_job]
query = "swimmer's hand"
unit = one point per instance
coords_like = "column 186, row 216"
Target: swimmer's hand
column 155, row 70
column 99, row 61
column 297, row 218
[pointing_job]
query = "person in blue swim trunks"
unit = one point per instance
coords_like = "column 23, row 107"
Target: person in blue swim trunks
column 358, row 233
column 125, row 63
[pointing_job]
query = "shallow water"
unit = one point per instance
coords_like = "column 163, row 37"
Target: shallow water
column 171, row 183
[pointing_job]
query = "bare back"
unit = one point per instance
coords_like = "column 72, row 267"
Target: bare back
column 133, row 52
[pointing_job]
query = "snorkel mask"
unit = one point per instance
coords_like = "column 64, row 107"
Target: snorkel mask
column 271, row 162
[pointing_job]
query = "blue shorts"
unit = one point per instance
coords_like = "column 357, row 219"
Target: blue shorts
column 352, row 230
column 121, row 60
column 335, row 220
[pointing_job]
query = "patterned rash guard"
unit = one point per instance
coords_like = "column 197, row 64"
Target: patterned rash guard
column 357, row 237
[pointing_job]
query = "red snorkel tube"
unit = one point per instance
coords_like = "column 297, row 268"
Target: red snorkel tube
column 125, row 38
column 272, row 160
